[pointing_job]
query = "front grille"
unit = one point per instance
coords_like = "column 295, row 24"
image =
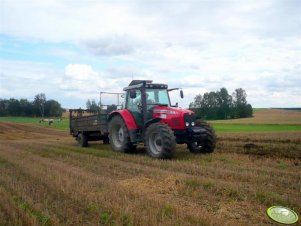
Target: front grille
column 189, row 118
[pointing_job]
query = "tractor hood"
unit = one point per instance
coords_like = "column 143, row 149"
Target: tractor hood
column 171, row 110
column 175, row 117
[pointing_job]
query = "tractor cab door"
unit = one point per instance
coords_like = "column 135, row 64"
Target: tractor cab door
column 134, row 105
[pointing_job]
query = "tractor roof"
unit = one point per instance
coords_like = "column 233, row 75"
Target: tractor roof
column 145, row 83
column 136, row 82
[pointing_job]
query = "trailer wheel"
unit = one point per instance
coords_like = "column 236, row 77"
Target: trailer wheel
column 160, row 141
column 205, row 145
column 119, row 135
column 106, row 140
column 82, row 140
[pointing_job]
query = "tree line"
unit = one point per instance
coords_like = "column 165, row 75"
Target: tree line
column 92, row 106
column 40, row 106
column 222, row 105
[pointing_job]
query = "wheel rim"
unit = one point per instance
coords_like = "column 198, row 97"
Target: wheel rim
column 118, row 135
column 155, row 143
column 197, row 145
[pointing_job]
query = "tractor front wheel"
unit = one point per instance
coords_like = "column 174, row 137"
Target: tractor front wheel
column 119, row 135
column 160, row 141
column 207, row 143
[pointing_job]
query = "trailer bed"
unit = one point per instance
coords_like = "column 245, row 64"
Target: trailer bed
column 92, row 125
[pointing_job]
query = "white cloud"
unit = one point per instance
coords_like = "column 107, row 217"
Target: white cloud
column 80, row 72
column 198, row 45
column 24, row 79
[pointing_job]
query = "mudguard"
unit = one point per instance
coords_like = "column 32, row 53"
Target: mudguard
column 127, row 118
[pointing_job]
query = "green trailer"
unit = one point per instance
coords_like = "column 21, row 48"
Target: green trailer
column 88, row 126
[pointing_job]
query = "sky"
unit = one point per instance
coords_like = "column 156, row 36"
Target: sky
column 72, row 49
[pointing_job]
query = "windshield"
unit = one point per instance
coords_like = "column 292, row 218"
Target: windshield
column 157, row 97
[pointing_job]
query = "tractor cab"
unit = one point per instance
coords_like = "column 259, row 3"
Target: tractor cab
column 142, row 96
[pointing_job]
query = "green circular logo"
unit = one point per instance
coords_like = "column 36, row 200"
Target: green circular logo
column 282, row 215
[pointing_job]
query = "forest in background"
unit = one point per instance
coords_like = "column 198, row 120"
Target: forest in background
column 221, row 105
column 39, row 107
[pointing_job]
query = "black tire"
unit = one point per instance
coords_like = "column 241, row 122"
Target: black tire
column 119, row 136
column 82, row 140
column 106, row 140
column 160, row 141
column 207, row 144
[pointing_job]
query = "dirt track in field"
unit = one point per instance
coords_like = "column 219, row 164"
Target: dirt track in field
column 47, row 180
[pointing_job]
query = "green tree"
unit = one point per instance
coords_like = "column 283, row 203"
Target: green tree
column 14, row 107
column 88, row 104
column 53, row 108
column 209, row 105
column 221, row 105
column 242, row 108
column 197, row 102
column 196, row 105
column 39, row 102
column 224, row 103
column 27, row 107
column 249, row 110
column 4, row 107
column 92, row 106
column 23, row 107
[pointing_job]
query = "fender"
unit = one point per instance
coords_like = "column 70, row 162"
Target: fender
column 149, row 122
column 127, row 118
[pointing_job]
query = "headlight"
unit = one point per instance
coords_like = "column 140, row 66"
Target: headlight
column 192, row 124
column 187, row 124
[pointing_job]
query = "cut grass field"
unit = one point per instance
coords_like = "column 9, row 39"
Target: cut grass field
column 45, row 179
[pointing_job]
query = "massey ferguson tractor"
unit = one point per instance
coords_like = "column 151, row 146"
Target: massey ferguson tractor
column 146, row 118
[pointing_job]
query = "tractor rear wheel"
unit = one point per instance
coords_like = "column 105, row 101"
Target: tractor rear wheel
column 82, row 140
column 160, row 141
column 119, row 135
column 207, row 143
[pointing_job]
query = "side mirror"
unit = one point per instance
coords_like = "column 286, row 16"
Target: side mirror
column 181, row 94
column 133, row 94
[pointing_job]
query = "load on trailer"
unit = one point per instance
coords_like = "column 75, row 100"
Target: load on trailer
column 148, row 118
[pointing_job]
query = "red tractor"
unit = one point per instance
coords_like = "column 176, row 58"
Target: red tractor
column 149, row 118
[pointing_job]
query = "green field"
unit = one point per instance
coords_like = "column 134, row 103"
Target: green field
column 218, row 126
column 255, row 124
column 63, row 124
column 255, row 127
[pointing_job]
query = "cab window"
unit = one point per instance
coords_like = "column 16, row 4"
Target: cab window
column 132, row 103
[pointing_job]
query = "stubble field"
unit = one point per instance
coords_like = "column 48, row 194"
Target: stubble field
column 45, row 179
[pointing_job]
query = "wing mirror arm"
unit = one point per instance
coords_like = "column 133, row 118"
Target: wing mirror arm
column 181, row 91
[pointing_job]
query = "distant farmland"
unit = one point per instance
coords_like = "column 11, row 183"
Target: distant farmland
column 47, row 180
column 268, row 116
column 264, row 120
